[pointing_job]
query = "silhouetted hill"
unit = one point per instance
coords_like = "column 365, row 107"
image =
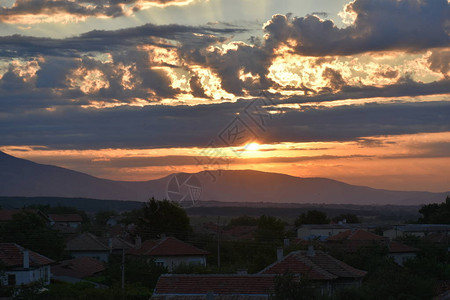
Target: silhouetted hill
column 19, row 177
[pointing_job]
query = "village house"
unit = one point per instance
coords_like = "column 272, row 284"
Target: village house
column 418, row 230
column 323, row 231
column 214, row 286
column 74, row 270
column 351, row 241
column 90, row 245
column 23, row 266
column 66, row 220
column 328, row 273
column 170, row 252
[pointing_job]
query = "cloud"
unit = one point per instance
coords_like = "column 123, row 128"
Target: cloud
column 409, row 25
column 184, row 126
column 37, row 11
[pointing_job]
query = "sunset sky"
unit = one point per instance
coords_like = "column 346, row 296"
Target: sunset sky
column 137, row 89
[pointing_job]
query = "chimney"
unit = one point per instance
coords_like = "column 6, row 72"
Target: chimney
column 310, row 251
column 110, row 244
column 26, row 259
column 286, row 243
column 163, row 236
column 138, row 242
column 279, row 253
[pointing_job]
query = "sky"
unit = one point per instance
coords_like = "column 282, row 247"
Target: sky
column 357, row 91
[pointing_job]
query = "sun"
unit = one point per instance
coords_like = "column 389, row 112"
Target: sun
column 252, row 147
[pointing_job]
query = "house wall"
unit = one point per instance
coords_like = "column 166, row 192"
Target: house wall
column 28, row 276
column 400, row 258
column 171, row 262
column 307, row 232
column 102, row 256
column 394, row 233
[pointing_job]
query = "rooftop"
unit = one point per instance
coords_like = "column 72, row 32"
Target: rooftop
column 218, row 284
column 316, row 265
column 168, row 246
column 78, row 267
column 11, row 255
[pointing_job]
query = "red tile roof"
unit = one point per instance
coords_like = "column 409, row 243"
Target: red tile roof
column 66, row 217
column 219, row 284
column 319, row 266
column 78, row 267
column 86, row 242
column 396, row 247
column 7, row 215
column 11, row 255
column 168, row 246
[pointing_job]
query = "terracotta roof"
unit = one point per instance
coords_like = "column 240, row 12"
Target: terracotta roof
column 356, row 235
column 219, row 284
column 11, row 255
column 78, row 268
column 168, row 246
column 86, row 242
column 396, row 247
column 89, row 242
column 66, row 217
column 319, row 266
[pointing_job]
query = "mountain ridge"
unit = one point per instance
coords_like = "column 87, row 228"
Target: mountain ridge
column 20, row 177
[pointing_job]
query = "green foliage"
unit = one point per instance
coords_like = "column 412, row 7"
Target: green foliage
column 137, row 270
column 349, row 218
column 86, row 291
column 243, row 221
column 312, row 217
column 60, row 209
column 103, row 216
column 290, row 287
column 269, row 229
column 160, row 217
column 436, row 213
column 31, row 231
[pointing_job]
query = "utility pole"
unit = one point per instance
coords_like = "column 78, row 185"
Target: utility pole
column 218, row 241
column 122, row 266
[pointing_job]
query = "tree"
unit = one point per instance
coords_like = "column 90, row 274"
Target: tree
column 31, row 231
column 103, row 216
column 436, row 213
column 160, row 217
column 290, row 287
column 349, row 218
column 269, row 229
column 312, row 217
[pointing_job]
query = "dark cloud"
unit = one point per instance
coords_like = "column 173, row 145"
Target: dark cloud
column 83, row 8
column 183, row 126
column 106, row 41
column 440, row 61
column 410, row 25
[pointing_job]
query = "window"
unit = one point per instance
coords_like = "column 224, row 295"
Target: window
column 160, row 263
column 11, row 279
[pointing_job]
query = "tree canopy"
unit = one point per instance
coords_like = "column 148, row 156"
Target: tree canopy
column 436, row 213
column 312, row 217
column 160, row 217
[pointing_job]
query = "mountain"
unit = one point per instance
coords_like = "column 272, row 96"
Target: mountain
column 19, row 177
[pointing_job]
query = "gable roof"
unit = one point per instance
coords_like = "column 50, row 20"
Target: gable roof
column 218, row 284
column 66, row 217
column 396, row 247
column 11, row 255
column 168, row 246
column 80, row 267
column 319, row 266
column 86, row 242
column 89, row 242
